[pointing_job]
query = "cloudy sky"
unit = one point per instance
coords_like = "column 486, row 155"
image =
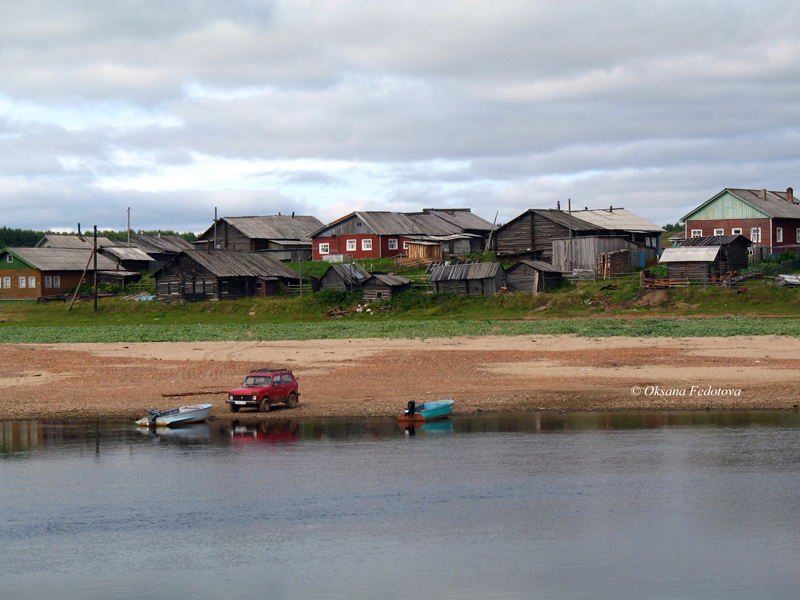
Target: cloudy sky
column 324, row 107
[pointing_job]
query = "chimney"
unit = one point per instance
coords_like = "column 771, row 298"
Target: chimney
column 558, row 204
column 611, row 208
column 764, row 195
column 790, row 195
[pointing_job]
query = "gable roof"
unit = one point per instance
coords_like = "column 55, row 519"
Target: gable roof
column 713, row 240
column 604, row 219
column 774, row 205
column 387, row 279
column 230, row 263
column 539, row 265
column 73, row 241
column 127, row 253
column 465, row 271
column 351, row 273
column 431, row 222
column 61, row 259
column 689, row 254
column 160, row 243
column 273, row 227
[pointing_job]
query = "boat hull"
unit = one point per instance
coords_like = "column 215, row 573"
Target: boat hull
column 176, row 417
column 429, row 411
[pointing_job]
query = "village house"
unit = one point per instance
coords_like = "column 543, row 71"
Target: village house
column 768, row 219
column 200, row 275
column 383, row 286
column 31, row 273
column 284, row 237
column 533, row 277
column 533, row 233
column 161, row 248
column 344, row 277
column 471, row 279
column 706, row 258
column 84, row 242
column 379, row 234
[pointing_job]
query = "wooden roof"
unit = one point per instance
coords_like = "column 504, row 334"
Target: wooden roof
column 61, row 259
column 230, row 263
column 465, row 271
column 273, row 227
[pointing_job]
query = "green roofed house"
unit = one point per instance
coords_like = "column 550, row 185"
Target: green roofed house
column 768, row 219
column 31, row 273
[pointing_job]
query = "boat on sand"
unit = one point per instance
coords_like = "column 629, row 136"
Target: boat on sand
column 427, row 411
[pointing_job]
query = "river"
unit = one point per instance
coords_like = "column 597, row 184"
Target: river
column 608, row 505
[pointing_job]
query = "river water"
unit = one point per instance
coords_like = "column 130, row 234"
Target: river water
column 620, row 505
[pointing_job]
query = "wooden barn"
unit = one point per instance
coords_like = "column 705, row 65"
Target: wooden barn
column 472, row 279
column 583, row 252
column 198, row 275
column 533, row 277
column 345, row 277
column 382, row 286
column 706, row 258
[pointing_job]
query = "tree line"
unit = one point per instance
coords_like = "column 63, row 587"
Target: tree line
column 28, row 238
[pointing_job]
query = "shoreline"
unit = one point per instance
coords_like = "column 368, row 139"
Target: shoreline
column 362, row 378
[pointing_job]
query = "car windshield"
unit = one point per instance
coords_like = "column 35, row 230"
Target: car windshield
column 258, row 380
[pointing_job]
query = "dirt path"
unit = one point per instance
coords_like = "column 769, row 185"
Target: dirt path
column 375, row 377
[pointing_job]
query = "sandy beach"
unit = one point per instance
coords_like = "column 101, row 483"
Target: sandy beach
column 376, row 377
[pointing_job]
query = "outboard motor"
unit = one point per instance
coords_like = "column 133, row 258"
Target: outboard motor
column 412, row 408
column 154, row 414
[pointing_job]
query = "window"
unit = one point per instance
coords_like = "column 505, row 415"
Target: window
column 778, row 235
column 392, row 244
column 755, row 235
column 797, row 235
column 9, row 258
column 31, row 282
column 324, row 248
column 56, row 281
column 22, row 282
column 366, row 244
column 719, row 232
column 738, row 231
column 697, row 233
column 7, row 282
column 405, row 245
column 351, row 245
column 48, row 281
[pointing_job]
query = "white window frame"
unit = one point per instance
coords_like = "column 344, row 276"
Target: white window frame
column 755, row 235
column 719, row 232
column 48, row 282
column 351, row 245
column 7, row 282
column 405, row 245
column 738, row 231
column 366, row 244
column 32, row 282
column 56, row 281
column 9, row 258
column 392, row 243
column 779, row 235
column 324, row 248
column 697, row 233
column 23, row 282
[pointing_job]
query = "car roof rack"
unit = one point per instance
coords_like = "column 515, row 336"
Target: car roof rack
column 268, row 371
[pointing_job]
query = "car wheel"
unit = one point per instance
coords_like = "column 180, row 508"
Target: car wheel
column 263, row 406
column 234, row 407
column 291, row 402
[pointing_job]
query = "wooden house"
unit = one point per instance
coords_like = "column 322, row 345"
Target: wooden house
column 161, row 248
column 706, row 258
column 378, row 234
column 472, row 279
column 345, row 277
column 532, row 233
column 533, row 276
column 769, row 219
column 199, row 275
column 83, row 242
column 383, row 286
column 284, row 237
column 30, row 273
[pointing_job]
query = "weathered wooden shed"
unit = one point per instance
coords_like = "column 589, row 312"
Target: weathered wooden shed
column 706, row 258
column 583, row 252
column 533, row 276
column 345, row 277
column 198, row 275
column 383, row 286
column 472, row 279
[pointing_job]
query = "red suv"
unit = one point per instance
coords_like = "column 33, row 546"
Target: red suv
column 262, row 388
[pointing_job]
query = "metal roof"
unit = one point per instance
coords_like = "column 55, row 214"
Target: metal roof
column 463, row 218
column 351, row 273
column 273, row 227
column 73, row 241
column 775, row 205
column 160, row 243
column 61, row 259
column 467, row 271
column 712, row 240
column 127, row 253
column 689, row 254
column 539, row 265
column 432, row 223
column 230, row 263
column 617, row 219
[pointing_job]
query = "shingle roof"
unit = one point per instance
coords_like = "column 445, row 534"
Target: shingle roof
column 274, row 227
column 230, row 263
column 62, row 259
column 464, row 271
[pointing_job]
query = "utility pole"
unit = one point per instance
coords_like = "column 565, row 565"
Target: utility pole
column 95, row 268
column 215, row 228
column 129, row 226
column 569, row 221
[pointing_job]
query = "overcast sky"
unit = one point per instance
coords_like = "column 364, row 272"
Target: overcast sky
column 324, row 107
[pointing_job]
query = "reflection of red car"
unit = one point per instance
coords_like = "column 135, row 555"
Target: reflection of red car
column 265, row 432
column 262, row 388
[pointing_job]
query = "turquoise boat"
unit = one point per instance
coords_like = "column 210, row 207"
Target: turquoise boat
column 428, row 411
